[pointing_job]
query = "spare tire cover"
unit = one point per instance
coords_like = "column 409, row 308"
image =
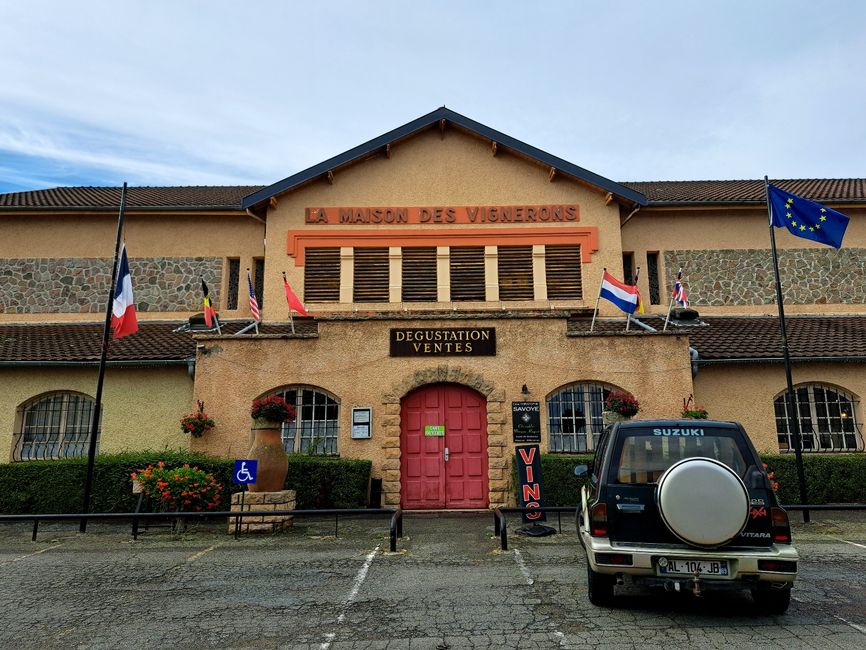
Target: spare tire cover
column 703, row 501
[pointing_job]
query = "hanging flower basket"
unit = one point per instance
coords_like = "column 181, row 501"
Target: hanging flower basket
column 197, row 424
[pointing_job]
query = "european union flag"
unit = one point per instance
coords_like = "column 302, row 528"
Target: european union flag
column 807, row 219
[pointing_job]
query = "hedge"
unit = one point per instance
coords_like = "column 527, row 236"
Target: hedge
column 837, row 478
column 57, row 485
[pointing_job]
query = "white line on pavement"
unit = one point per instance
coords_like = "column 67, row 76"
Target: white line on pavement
column 356, row 587
column 24, row 557
column 847, row 542
column 194, row 557
column 859, row 628
column 523, row 568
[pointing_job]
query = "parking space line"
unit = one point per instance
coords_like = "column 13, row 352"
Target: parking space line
column 846, row 541
column 195, row 556
column 24, row 557
column 859, row 628
column 356, row 587
column 523, row 568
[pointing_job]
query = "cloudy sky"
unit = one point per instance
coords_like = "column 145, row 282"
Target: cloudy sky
column 162, row 92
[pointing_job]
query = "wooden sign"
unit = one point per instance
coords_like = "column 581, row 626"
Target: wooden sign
column 443, row 341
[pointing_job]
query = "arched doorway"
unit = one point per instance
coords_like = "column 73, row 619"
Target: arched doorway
column 443, row 448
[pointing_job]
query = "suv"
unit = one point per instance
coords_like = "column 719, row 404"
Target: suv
column 684, row 505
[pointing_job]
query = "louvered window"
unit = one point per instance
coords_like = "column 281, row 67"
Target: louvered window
column 562, row 265
column 371, row 275
column 419, row 274
column 467, row 273
column 515, row 273
column 322, row 275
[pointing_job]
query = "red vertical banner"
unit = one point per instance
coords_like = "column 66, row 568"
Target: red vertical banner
column 529, row 481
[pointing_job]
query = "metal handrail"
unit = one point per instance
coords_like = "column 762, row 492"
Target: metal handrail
column 396, row 527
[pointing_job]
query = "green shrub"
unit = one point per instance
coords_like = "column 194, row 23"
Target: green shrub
column 58, row 485
column 559, row 485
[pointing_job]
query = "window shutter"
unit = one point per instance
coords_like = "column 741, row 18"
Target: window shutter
column 515, row 273
column 467, row 273
column 419, row 274
column 371, row 275
column 562, row 266
column 322, row 275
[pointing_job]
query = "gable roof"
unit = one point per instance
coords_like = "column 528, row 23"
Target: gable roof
column 137, row 198
column 425, row 122
column 826, row 190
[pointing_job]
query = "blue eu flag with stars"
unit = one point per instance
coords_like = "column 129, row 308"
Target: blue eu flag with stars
column 807, row 219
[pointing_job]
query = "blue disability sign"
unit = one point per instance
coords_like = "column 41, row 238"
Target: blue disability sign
column 245, row 471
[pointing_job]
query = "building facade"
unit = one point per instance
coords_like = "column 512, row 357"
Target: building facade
column 451, row 273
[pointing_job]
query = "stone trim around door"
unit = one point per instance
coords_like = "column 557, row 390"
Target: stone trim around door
column 498, row 466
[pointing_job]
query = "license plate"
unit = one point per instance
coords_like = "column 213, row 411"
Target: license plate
column 688, row 567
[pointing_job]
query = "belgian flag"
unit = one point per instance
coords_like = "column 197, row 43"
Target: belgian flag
column 209, row 311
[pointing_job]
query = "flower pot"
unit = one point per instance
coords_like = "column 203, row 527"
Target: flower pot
column 273, row 462
column 609, row 417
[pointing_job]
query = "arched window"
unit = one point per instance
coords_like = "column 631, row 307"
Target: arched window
column 574, row 416
column 827, row 419
column 317, row 427
column 54, row 426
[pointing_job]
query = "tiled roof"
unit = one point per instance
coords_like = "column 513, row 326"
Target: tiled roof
column 747, row 338
column 834, row 190
column 147, row 198
column 74, row 342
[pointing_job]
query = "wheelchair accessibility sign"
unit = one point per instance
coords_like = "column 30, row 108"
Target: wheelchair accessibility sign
column 245, row 471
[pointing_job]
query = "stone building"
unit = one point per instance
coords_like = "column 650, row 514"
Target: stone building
column 451, row 273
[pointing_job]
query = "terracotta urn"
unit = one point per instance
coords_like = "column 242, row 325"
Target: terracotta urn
column 609, row 417
column 273, row 462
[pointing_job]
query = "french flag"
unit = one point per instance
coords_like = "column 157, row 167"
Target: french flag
column 123, row 319
column 624, row 296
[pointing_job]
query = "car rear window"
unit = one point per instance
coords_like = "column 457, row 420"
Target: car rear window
column 645, row 454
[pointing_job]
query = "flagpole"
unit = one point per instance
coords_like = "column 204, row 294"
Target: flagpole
column 97, row 407
column 671, row 305
column 597, row 299
column 628, row 319
column 793, row 415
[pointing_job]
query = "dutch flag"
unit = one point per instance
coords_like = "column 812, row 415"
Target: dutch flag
column 123, row 319
column 624, row 296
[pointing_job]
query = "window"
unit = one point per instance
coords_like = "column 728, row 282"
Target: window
column 827, row 420
column 574, row 417
column 628, row 268
column 562, row 268
column 371, row 275
column 259, row 280
column 419, row 274
column 317, row 426
column 322, row 275
column 652, row 273
column 515, row 272
column 234, row 279
column 467, row 273
column 54, row 426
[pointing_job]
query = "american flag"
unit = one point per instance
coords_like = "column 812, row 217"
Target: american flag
column 679, row 294
column 254, row 304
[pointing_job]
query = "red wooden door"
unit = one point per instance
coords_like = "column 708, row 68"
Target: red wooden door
column 428, row 480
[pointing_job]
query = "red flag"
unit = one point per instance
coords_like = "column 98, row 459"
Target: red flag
column 292, row 299
column 123, row 318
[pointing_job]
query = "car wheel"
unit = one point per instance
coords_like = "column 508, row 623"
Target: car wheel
column 599, row 588
column 771, row 600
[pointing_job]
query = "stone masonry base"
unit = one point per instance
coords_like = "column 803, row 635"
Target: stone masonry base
column 256, row 501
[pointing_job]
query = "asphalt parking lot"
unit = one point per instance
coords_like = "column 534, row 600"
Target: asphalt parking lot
column 448, row 586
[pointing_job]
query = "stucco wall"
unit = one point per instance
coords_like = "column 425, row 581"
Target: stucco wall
column 428, row 170
column 141, row 406
column 350, row 359
column 745, row 392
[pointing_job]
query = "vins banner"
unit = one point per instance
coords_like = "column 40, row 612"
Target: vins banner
column 529, row 476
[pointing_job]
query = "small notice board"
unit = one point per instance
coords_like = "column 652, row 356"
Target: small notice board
column 434, row 430
column 362, row 418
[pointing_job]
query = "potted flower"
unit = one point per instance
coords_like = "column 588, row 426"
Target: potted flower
column 619, row 405
column 693, row 412
column 269, row 414
column 197, row 424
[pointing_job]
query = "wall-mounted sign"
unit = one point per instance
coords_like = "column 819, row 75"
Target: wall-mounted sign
column 434, row 430
column 529, row 479
column 362, row 418
column 438, row 214
column 526, row 421
column 443, row 341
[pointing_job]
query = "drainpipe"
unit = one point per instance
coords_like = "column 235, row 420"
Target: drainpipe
column 693, row 353
column 630, row 215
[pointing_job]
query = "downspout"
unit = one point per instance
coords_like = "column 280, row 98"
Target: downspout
column 693, row 353
column 630, row 215
column 255, row 216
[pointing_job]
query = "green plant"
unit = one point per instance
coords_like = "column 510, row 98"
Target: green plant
column 692, row 411
column 273, row 409
column 179, row 488
column 621, row 402
column 197, row 424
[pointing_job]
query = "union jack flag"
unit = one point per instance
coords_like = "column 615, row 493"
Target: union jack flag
column 679, row 294
column 254, row 304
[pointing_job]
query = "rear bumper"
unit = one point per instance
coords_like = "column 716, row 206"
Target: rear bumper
column 742, row 563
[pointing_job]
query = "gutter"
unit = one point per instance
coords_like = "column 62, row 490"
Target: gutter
column 749, row 360
column 132, row 363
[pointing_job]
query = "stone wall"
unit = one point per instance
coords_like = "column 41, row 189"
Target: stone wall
column 80, row 285
column 745, row 277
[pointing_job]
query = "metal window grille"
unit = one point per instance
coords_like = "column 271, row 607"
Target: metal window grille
column 53, row 427
column 574, row 417
column 234, row 279
column 827, row 416
column 652, row 269
column 317, row 426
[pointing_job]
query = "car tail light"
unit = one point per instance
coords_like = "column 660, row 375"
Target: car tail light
column 779, row 566
column 781, row 526
column 598, row 520
column 614, row 558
